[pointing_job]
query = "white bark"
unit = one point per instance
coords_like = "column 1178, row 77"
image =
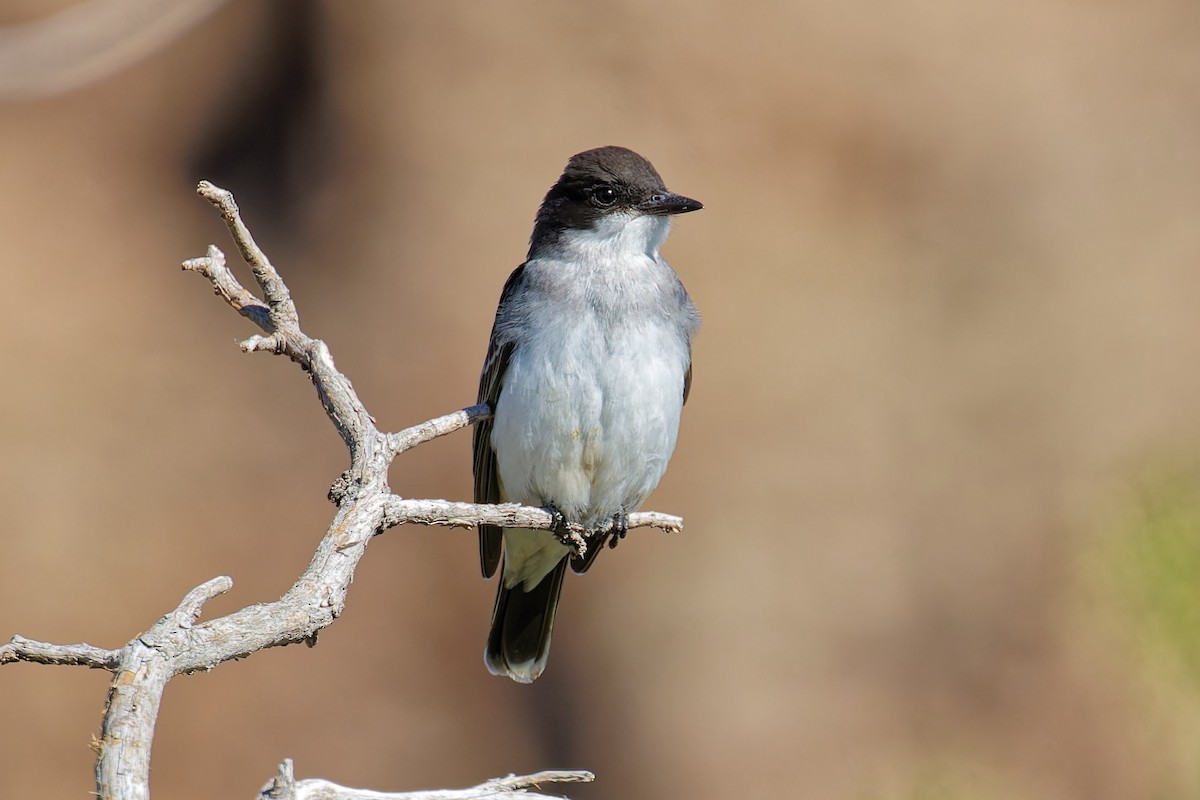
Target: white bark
column 514, row 787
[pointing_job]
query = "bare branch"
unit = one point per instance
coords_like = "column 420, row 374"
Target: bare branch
column 282, row 324
column 72, row 655
column 283, row 310
column 178, row 643
column 545, row 776
column 409, row 438
column 227, row 287
column 401, row 511
column 514, row 787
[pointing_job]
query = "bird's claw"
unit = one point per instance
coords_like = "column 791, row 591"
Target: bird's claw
column 620, row 527
column 563, row 532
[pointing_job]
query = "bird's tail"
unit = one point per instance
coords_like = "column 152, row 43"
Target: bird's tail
column 522, row 622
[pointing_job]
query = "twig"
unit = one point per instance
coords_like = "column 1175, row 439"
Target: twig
column 73, row 655
column 409, row 438
column 284, row 786
column 227, row 288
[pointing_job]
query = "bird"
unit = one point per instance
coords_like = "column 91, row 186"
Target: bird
column 587, row 371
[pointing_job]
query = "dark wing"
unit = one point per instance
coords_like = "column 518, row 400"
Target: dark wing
column 487, row 478
column 687, row 383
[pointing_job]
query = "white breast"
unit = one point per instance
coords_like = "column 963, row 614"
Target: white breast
column 589, row 408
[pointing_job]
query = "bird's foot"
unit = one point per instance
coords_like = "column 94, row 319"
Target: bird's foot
column 563, row 532
column 620, row 527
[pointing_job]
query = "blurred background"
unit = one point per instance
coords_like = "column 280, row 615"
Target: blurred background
column 940, row 466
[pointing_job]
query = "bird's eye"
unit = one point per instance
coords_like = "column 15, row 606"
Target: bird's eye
column 604, row 195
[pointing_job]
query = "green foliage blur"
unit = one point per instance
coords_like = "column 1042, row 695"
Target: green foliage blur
column 1154, row 563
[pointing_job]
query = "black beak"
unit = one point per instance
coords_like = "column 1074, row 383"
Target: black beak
column 663, row 203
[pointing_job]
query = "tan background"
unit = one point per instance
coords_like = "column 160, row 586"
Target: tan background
column 948, row 269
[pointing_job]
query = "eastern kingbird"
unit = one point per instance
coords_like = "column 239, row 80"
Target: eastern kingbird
column 587, row 371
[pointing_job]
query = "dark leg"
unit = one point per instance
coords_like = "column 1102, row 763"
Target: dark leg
column 560, row 529
column 619, row 529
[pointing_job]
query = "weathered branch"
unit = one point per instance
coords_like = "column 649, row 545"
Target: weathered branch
column 226, row 286
column 73, row 655
column 409, row 438
column 178, row 643
column 147, row 663
column 283, row 310
column 400, row 511
column 284, row 786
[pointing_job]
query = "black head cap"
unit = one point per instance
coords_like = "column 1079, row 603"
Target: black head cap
column 605, row 181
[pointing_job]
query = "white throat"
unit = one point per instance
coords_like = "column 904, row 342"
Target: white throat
column 617, row 237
